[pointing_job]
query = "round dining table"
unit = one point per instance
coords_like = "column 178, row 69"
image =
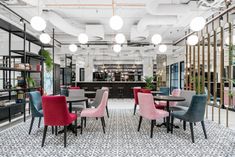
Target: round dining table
column 168, row 99
column 71, row 100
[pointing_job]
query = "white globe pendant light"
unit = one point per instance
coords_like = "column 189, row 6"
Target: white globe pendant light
column 120, row 38
column 45, row 38
column 162, row 48
column 192, row 40
column 73, row 48
column 38, row 23
column 116, row 22
column 117, row 48
column 198, row 23
column 156, row 39
column 83, row 38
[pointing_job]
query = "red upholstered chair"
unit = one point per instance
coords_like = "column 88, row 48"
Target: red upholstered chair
column 74, row 87
column 135, row 91
column 56, row 113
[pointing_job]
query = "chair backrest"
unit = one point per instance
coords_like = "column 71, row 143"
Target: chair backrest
column 143, row 90
column 35, row 101
column 105, row 88
column 64, row 91
column 165, row 90
column 146, row 104
column 175, row 92
column 55, row 110
column 188, row 95
column 74, row 87
column 135, row 93
column 196, row 110
column 101, row 107
column 76, row 93
column 98, row 97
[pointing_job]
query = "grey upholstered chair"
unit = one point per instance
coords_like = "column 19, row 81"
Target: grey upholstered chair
column 195, row 113
column 106, row 89
column 78, row 106
column 183, row 105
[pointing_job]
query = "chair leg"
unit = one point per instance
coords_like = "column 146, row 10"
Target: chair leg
column 52, row 129
column 168, row 123
column 84, row 122
column 81, row 125
column 56, row 130
column 65, row 136
column 103, row 124
column 44, row 135
column 135, row 108
column 204, row 129
column 152, row 125
column 76, row 130
column 107, row 110
column 192, row 134
column 39, row 122
column 184, row 125
column 140, row 121
column 172, row 124
column 31, row 125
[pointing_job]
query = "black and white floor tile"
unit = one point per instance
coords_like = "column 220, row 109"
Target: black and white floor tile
column 121, row 139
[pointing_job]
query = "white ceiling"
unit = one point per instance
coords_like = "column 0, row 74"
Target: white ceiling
column 79, row 13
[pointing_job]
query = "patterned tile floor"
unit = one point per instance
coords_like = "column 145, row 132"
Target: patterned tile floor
column 121, row 139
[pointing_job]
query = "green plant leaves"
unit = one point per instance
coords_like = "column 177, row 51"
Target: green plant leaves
column 48, row 60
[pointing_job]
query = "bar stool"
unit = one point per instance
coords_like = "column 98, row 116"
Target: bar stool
column 120, row 92
column 111, row 92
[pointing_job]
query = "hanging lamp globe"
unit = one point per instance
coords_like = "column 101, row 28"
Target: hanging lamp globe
column 45, row 38
column 83, row 38
column 162, row 48
column 192, row 40
column 116, row 22
column 117, row 48
column 156, row 39
column 38, row 23
column 198, row 23
column 120, row 38
column 73, row 47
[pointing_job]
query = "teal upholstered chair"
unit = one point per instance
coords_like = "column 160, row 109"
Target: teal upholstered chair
column 35, row 101
column 165, row 90
column 195, row 113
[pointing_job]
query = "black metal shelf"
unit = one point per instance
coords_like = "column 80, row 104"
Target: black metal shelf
column 20, row 70
column 19, row 89
column 29, row 54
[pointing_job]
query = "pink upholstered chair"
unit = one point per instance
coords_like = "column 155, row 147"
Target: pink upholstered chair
column 148, row 110
column 175, row 92
column 96, row 112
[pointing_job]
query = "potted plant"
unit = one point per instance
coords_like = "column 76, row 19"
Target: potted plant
column 149, row 82
column 48, row 60
column 31, row 82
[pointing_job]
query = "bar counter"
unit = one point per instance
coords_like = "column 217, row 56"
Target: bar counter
column 118, row 89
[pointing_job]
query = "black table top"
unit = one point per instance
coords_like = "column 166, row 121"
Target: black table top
column 168, row 98
column 76, row 99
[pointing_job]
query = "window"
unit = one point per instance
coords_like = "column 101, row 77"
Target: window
column 182, row 75
column 174, row 76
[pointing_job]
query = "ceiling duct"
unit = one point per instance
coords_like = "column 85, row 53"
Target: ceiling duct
column 95, row 32
column 138, row 36
column 62, row 24
column 149, row 20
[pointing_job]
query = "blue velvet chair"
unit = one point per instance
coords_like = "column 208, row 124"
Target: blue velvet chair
column 195, row 113
column 165, row 90
column 35, row 101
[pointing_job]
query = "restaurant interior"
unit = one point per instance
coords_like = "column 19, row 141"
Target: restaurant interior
column 117, row 78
